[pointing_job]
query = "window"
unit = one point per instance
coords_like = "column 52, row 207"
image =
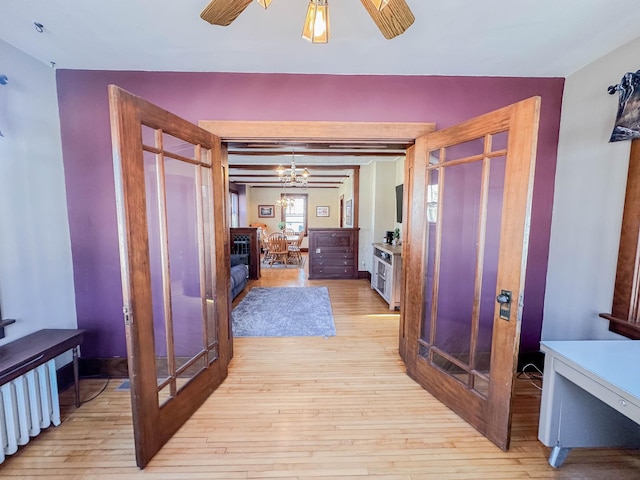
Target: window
column 295, row 216
column 625, row 311
column 234, row 201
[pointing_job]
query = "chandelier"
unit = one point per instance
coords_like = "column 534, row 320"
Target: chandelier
column 292, row 177
column 284, row 201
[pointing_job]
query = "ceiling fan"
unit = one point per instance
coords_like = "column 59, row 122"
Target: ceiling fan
column 393, row 17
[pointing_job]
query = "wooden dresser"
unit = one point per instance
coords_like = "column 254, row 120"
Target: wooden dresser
column 333, row 253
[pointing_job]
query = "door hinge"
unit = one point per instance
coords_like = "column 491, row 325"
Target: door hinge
column 128, row 315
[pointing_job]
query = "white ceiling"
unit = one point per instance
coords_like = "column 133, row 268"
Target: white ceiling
column 539, row 38
column 449, row 37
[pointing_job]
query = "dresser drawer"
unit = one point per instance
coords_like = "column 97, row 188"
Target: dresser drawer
column 334, row 253
column 333, row 262
column 334, row 239
column 332, row 271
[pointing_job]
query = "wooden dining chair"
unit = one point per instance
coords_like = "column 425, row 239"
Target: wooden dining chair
column 278, row 249
column 289, row 232
column 295, row 249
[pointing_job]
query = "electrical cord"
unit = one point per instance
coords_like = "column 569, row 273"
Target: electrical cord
column 535, row 378
column 82, row 402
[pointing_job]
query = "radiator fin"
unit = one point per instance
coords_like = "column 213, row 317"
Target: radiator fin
column 28, row 404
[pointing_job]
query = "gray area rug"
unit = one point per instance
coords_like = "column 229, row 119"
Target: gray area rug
column 283, row 265
column 284, row 312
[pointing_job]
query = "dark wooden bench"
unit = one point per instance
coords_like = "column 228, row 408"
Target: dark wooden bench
column 27, row 353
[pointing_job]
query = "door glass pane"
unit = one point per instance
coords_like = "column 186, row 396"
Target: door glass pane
column 499, row 141
column 178, row 146
column 481, row 385
column 148, row 136
column 434, row 157
column 456, row 371
column 458, row 151
column 209, row 252
column 155, row 265
column 184, row 260
column 431, row 237
column 205, row 156
column 490, row 263
column 460, row 207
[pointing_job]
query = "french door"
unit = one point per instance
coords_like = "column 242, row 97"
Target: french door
column 467, row 239
column 170, row 194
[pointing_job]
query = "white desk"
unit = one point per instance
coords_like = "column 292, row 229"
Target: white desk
column 590, row 396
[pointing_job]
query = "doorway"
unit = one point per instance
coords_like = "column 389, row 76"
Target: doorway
column 494, row 154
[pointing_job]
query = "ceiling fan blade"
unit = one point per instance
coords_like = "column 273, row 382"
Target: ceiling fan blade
column 223, row 12
column 393, row 20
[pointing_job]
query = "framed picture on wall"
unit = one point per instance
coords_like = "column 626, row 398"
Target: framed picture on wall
column 348, row 215
column 322, row 211
column 266, row 211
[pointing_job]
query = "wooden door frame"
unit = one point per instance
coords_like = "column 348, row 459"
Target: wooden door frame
column 318, row 132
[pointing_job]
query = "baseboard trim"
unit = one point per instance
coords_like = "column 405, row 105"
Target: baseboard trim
column 115, row 367
column 364, row 274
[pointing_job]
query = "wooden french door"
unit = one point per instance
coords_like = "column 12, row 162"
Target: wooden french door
column 465, row 259
column 170, row 194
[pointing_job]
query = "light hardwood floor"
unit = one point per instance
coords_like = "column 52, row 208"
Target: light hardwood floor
column 310, row 408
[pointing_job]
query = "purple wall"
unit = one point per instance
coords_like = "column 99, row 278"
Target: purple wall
column 84, row 118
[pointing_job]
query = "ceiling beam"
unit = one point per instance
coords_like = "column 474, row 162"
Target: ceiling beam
column 318, row 153
column 265, row 175
column 318, row 132
column 280, row 185
column 298, row 167
column 264, row 186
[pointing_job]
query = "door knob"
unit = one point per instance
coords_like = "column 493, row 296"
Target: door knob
column 504, row 299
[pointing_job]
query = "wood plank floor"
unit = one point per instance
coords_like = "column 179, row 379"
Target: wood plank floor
column 310, row 408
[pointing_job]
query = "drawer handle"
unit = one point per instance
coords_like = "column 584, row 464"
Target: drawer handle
column 333, row 234
column 344, row 263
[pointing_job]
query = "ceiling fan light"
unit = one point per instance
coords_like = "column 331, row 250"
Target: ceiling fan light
column 380, row 4
column 316, row 23
column 265, row 3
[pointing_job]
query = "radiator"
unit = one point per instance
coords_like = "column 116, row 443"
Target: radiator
column 28, row 404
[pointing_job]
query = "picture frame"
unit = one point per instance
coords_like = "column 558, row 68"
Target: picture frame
column 322, row 211
column 348, row 215
column 266, row 211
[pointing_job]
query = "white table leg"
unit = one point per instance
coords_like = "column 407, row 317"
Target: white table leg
column 558, row 456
